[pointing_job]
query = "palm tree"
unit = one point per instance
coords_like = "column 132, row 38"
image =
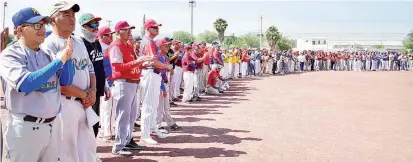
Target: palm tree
column 220, row 26
column 143, row 26
column 272, row 36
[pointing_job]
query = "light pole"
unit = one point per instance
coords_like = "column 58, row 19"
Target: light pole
column 261, row 34
column 109, row 23
column 192, row 4
column 4, row 13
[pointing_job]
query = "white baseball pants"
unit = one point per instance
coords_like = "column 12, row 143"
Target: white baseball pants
column 151, row 88
column 163, row 110
column 189, row 78
column 108, row 115
column 78, row 143
column 177, row 80
column 244, row 68
column 31, row 141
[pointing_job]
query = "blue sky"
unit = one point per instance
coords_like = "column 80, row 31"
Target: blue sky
column 360, row 20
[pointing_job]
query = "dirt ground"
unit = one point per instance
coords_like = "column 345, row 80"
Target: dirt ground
column 316, row 116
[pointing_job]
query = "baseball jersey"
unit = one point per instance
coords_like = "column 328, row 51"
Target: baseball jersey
column 81, row 62
column 16, row 63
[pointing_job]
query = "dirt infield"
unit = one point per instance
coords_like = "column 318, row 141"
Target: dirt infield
column 317, row 116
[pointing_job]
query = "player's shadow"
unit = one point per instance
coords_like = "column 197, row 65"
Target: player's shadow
column 224, row 139
column 192, row 119
column 192, row 112
column 200, row 106
column 199, row 153
column 208, row 130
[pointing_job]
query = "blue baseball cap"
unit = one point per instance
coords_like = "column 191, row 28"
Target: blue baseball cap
column 202, row 42
column 28, row 15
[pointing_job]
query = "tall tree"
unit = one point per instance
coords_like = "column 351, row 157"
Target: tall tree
column 220, row 26
column 182, row 36
column 272, row 35
column 251, row 40
column 283, row 44
column 143, row 26
column 408, row 41
column 208, row 36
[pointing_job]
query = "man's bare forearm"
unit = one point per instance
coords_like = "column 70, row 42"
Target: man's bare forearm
column 73, row 91
column 92, row 82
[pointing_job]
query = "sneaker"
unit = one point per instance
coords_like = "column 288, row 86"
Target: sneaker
column 221, row 91
column 173, row 104
column 175, row 99
column 137, row 125
column 159, row 134
column 176, row 127
column 163, row 130
column 132, row 145
column 198, row 98
column 123, row 152
column 149, row 141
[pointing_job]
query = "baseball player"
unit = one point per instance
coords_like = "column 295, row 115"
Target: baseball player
column 108, row 111
column 32, row 81
column 163, row 108
column 78, row 142
column 89, row 31
column 151, row 83
column 214, row 87
column 199, row 59
column 175, row 90
column 126, row 75
column 189, row 66
column 205, row 66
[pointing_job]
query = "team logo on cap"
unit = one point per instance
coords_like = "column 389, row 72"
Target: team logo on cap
column 35, row 11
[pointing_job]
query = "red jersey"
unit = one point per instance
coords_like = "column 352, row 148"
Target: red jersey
column 212, row 78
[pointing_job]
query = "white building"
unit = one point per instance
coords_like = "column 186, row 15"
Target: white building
column 325, row 44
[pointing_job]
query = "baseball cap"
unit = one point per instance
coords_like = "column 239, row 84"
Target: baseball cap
column 63, row 5
column 202, row 42
column 162, row 42
column 174, row 42
column 28, row 15
column 151, row 23
column 187, row 47
column 123, row 25
column 87, row 17
column 104, row 30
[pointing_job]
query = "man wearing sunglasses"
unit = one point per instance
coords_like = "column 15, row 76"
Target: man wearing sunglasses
column 32, row 89
column 89, row 31
column 151, row 84
column 78, row 143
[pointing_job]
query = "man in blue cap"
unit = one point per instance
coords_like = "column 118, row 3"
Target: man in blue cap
column 32, row 89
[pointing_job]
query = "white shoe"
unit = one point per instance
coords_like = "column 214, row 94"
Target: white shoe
column 149, row 141
column 160, row 134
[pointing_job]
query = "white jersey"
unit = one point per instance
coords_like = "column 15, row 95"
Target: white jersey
column 80, row 57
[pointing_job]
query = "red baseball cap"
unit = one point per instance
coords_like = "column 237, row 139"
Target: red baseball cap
column 162, row 42
column 187, row 47
column 123, row 25
column 174, row 42
column 104, row 30
column 151, row 23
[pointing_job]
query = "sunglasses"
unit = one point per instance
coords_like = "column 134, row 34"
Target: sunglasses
column 154, row 27
column 94, row 25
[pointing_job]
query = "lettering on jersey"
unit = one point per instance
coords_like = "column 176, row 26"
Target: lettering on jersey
column 96, row 55
column 80, row 64
column 48, row 86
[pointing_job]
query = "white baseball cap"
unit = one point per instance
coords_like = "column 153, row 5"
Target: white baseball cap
column 63, row 5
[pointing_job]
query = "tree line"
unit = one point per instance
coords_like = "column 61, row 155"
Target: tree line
column 272, row 37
